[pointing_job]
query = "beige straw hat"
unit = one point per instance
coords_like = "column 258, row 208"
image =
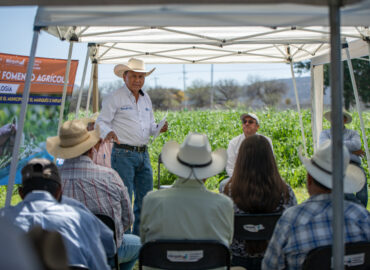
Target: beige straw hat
column 73, row 140
column 346, row 114
column 133, row 64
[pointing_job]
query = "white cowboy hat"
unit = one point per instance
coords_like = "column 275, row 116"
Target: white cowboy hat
column 320, row 168
column 193, row 159
column 73, row 140
column 346, row 114
column 133, row 64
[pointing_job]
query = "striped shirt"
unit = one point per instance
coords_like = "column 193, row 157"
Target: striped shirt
column 100, row 189
column 309, row 225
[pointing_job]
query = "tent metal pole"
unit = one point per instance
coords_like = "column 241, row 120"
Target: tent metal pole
column 82, row 83
column 18, row 136
column 355, row 91
column 336, row 84
column 90, row 89
column 212, row 90
column 298, row 108
column 66, row 81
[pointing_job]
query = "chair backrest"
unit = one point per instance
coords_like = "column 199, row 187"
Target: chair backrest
column 357, row 257
column 255, row 227
column 107, row 220
column 78, row 267
column 184, row 254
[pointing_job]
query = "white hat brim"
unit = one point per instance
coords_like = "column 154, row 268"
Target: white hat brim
column 354, row 177
column 170, row 161
column 327, row 116
column 54, row 148
column 121, row 68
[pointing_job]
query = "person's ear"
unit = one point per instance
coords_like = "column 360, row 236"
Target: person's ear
column 21, row 192
column 58, row 194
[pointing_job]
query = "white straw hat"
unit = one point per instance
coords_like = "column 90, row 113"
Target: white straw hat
column 346, row 114
column 193, row 159
column 320, row 168
column 74, row 139
column 133, row 64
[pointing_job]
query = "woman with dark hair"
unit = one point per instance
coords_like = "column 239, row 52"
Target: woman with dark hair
column 256, row 187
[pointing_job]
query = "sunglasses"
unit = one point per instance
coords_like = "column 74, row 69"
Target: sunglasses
column 248, row 121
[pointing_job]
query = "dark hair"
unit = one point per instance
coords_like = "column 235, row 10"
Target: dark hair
column 38, row 183
column 256, row 185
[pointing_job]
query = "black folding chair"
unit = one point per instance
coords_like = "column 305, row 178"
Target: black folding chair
column 357, row 257
column 184, row 255
column 77, row 267
column 255, row 227
column 159, row 186
column 107, row 220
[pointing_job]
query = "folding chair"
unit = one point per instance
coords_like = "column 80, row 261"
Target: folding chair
column 107, row 220
column 159, row 186
column 77, row 267
column 357, row 257
column 184, row 255
column 255, row 227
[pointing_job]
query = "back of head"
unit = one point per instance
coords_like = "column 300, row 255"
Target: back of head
column 256, row 185
column 40, row 174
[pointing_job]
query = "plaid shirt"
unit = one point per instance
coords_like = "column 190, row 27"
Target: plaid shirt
column 309, row 225
column 100, row 189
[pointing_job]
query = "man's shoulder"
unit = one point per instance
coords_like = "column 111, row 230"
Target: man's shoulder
column 236, row 139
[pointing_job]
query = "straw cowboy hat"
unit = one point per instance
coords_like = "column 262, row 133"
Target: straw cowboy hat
column 133, row 64
column 346, row 114
column 193, row 159
column 73, row 140
column 320, row 168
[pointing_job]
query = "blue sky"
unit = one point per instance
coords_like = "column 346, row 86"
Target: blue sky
column 16, row 37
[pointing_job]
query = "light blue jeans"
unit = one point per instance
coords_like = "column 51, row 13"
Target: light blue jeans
column 128, row 252
column 136, row 172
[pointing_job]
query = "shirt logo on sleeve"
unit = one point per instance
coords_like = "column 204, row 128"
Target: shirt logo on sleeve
column 126, row 108
column 147, row 109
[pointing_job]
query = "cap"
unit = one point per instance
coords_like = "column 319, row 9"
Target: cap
column 252, row 115
column 40, row 168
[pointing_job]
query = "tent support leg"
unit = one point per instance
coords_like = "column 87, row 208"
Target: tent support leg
column 18, row 136
column 355, row 91
column 90, row 89
column 66, row 79
column 82, row 83
column 336, row 84
column 298, row 108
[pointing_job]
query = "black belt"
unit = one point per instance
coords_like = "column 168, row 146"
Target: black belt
column 139, row 149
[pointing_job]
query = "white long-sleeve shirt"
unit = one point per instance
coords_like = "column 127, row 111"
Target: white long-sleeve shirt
column 233, row 150
column 132, row 122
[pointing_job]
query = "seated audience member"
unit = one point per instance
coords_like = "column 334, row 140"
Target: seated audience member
column 250, row 125
column 256, row 187
column 99, row 188
column 188, row 210
column 309, row 225
column 41, row 192
column 352, row 140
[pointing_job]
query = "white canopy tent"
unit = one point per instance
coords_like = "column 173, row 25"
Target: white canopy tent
column 215, row 32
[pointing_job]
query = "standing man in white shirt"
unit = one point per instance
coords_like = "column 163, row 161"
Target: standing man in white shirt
column 127, row 119
column 250, row 125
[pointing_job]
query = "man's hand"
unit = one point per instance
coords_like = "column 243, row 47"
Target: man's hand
column 165, row 127
column 359, row 153
column 111, row 136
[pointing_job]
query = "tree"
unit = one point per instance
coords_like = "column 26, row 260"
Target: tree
column 361, row 70
column 166, row 98
column 267, row 92
column 227, row 90
column 199, row 94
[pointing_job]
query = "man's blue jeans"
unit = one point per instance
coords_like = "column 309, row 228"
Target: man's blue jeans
column 128, row 252
column 136, row 172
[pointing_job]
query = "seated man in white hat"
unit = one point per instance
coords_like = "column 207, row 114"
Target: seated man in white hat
column 188, row 210
column 41, row 191
column 127, row 119
column 352, row 140
column 99, row 188
column 250, row 125
column 309, row 225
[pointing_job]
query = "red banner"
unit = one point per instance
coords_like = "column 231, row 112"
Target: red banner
column 47, row 75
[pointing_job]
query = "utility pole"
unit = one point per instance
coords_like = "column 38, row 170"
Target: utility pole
column 212, row 91
column 184, row 79
column 155, row 82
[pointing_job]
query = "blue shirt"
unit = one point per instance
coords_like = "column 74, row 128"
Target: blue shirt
column 80, row 231
column 306, row 226
column 351, row 139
